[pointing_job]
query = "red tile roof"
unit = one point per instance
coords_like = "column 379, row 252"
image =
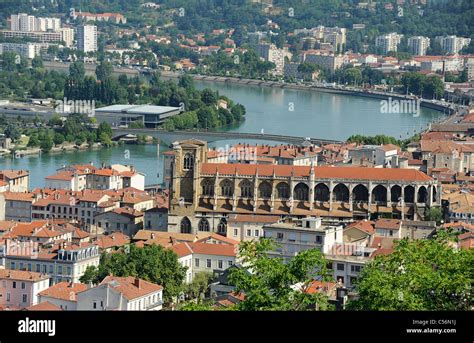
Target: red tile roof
column 22, row 275
column 213, row 249
column 64, row 291
column 357, row 173
column 131, row 287
column 44, row 306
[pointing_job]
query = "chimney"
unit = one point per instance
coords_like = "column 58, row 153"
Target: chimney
column 136, row 282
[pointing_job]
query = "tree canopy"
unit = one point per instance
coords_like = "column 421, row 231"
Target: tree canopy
column 426, row 274
column 268, row 285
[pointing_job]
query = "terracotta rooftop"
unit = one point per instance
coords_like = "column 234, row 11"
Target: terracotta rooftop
column 44, row 306
column 13, row 174
column 363, row 225
column 131, row 287
column 357, row 173
column 116, row 239
column 22, row 275
column 388, row 224
column 64, row 291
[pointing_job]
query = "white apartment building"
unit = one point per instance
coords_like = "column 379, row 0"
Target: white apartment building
column 470, row 69
column 452, row 44
column 270, row 53
column 346, row 268
column 201, row 257
column 66, row 263
column 63, row 295
column 22, row 22
column 87, row 38
column 28, row 23
column 67, row 35
column 43, row 37
column 25, row 50
column 326, row 61
column 388, row 42
column 121, row 294
column 293, row 238
column 47, row 24
column 247, row 227
column 418, row 45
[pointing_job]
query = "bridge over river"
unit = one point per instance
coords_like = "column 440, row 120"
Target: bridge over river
column 211, row 136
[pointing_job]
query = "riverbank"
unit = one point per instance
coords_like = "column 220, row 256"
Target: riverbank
column 63, row 148
column 442, row 106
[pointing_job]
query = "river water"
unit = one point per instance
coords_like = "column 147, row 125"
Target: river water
column 271, row 110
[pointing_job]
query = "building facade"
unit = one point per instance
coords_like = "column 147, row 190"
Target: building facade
column 203, row 195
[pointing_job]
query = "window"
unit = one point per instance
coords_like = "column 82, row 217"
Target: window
column 230, row 263
column 94, row 305
column 208, row 263
column 279, row 235
column 14, row 284
column 236, row 232
column 37, row 268
column 249, row 233
column 291, row 237
column 319, row 239
column 208, row 187
column 188, row 161
column 8, row 296
column 220, row 264
column 355, row 269
column 51, row 269
column 203, row 225
column 23, row 285
column 227, row 188
column 196, row 262
column 246, row 189
column 257, row 233
column 24, row 298
column 340, row 266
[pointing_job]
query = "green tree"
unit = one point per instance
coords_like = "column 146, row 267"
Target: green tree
column 186, row 82
column 104, row 71
column 268, row 286
column 209, row 97
column 104, row 127
column 151, row 263
column 12, row 131
column 90, row 275
column 37, row 62
column 46, row 143
column 55, row 121
column 427, row 274
column 199, row 286
column 104, row 138
column 58, row 138
column 33, row 141
column 77, row 71
column 434, row 214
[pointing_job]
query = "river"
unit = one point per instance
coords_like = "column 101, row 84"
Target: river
column 273, row 110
